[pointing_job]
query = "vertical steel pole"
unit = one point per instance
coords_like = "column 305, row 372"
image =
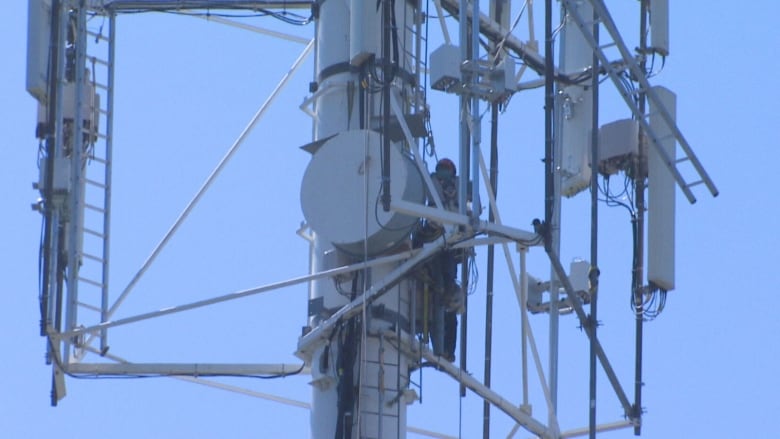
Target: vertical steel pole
column 387, row 73
column 58, row 125
column 476, row 124
column 594, row 217
column 77, row 164
column 466, row 50
column 464, row 276
column 551, row 201
column 50, row 211
column 463, row 156
column 104, row 300
column 639, row 231
column 490, row 268
column 55, row 207
column 497, row 13
column 523, row 324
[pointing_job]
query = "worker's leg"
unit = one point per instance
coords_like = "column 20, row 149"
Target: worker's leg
column 450, row 335
column 437, row 270
column 438, row 325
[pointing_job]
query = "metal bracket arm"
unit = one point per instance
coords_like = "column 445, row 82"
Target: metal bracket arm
column 414, row 209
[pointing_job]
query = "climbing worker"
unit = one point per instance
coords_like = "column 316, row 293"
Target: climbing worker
column 442, row 269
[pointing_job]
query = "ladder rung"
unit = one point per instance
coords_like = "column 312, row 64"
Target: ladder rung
column 607, row 46
column 93, row 257
column 102, row 161
column 98, row 61
column 91, row 282
column 95, row 208
column 99, row 36
column 695, row 183
column 90, row 307
column 94, row 233
column 104, row 112
column 684, row 159
column 102, row 136
column 96, row 183
column 101, row 86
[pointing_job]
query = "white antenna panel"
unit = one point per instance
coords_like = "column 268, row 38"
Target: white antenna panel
column 661, row 198
column 575, row 103
column 659, row 26
column 38, row 36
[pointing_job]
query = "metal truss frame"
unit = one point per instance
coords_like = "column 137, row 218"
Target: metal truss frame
column 496, row 233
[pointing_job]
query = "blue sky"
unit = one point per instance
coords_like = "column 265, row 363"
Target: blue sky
column 185, row 90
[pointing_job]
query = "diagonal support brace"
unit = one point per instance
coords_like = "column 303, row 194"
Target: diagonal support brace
column 588, row 328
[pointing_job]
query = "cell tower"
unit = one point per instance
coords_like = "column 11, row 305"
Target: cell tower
column 385, row 230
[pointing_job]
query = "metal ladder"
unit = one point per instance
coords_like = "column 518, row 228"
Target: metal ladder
column 413, row 56
column 381, row 413
column 93, row 278
column 629, row 63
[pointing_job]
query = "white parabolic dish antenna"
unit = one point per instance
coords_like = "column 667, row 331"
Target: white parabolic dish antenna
column 341, row 190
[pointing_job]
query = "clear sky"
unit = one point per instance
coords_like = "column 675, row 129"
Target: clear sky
column 185, row 90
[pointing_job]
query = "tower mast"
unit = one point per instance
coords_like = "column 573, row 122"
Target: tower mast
column 365, row 56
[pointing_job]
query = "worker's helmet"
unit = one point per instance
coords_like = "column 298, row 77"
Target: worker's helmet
column 446, row 164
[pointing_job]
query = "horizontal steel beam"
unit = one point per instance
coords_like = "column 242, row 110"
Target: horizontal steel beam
column 180, row 5
column 260, row 395
column 186, row 369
